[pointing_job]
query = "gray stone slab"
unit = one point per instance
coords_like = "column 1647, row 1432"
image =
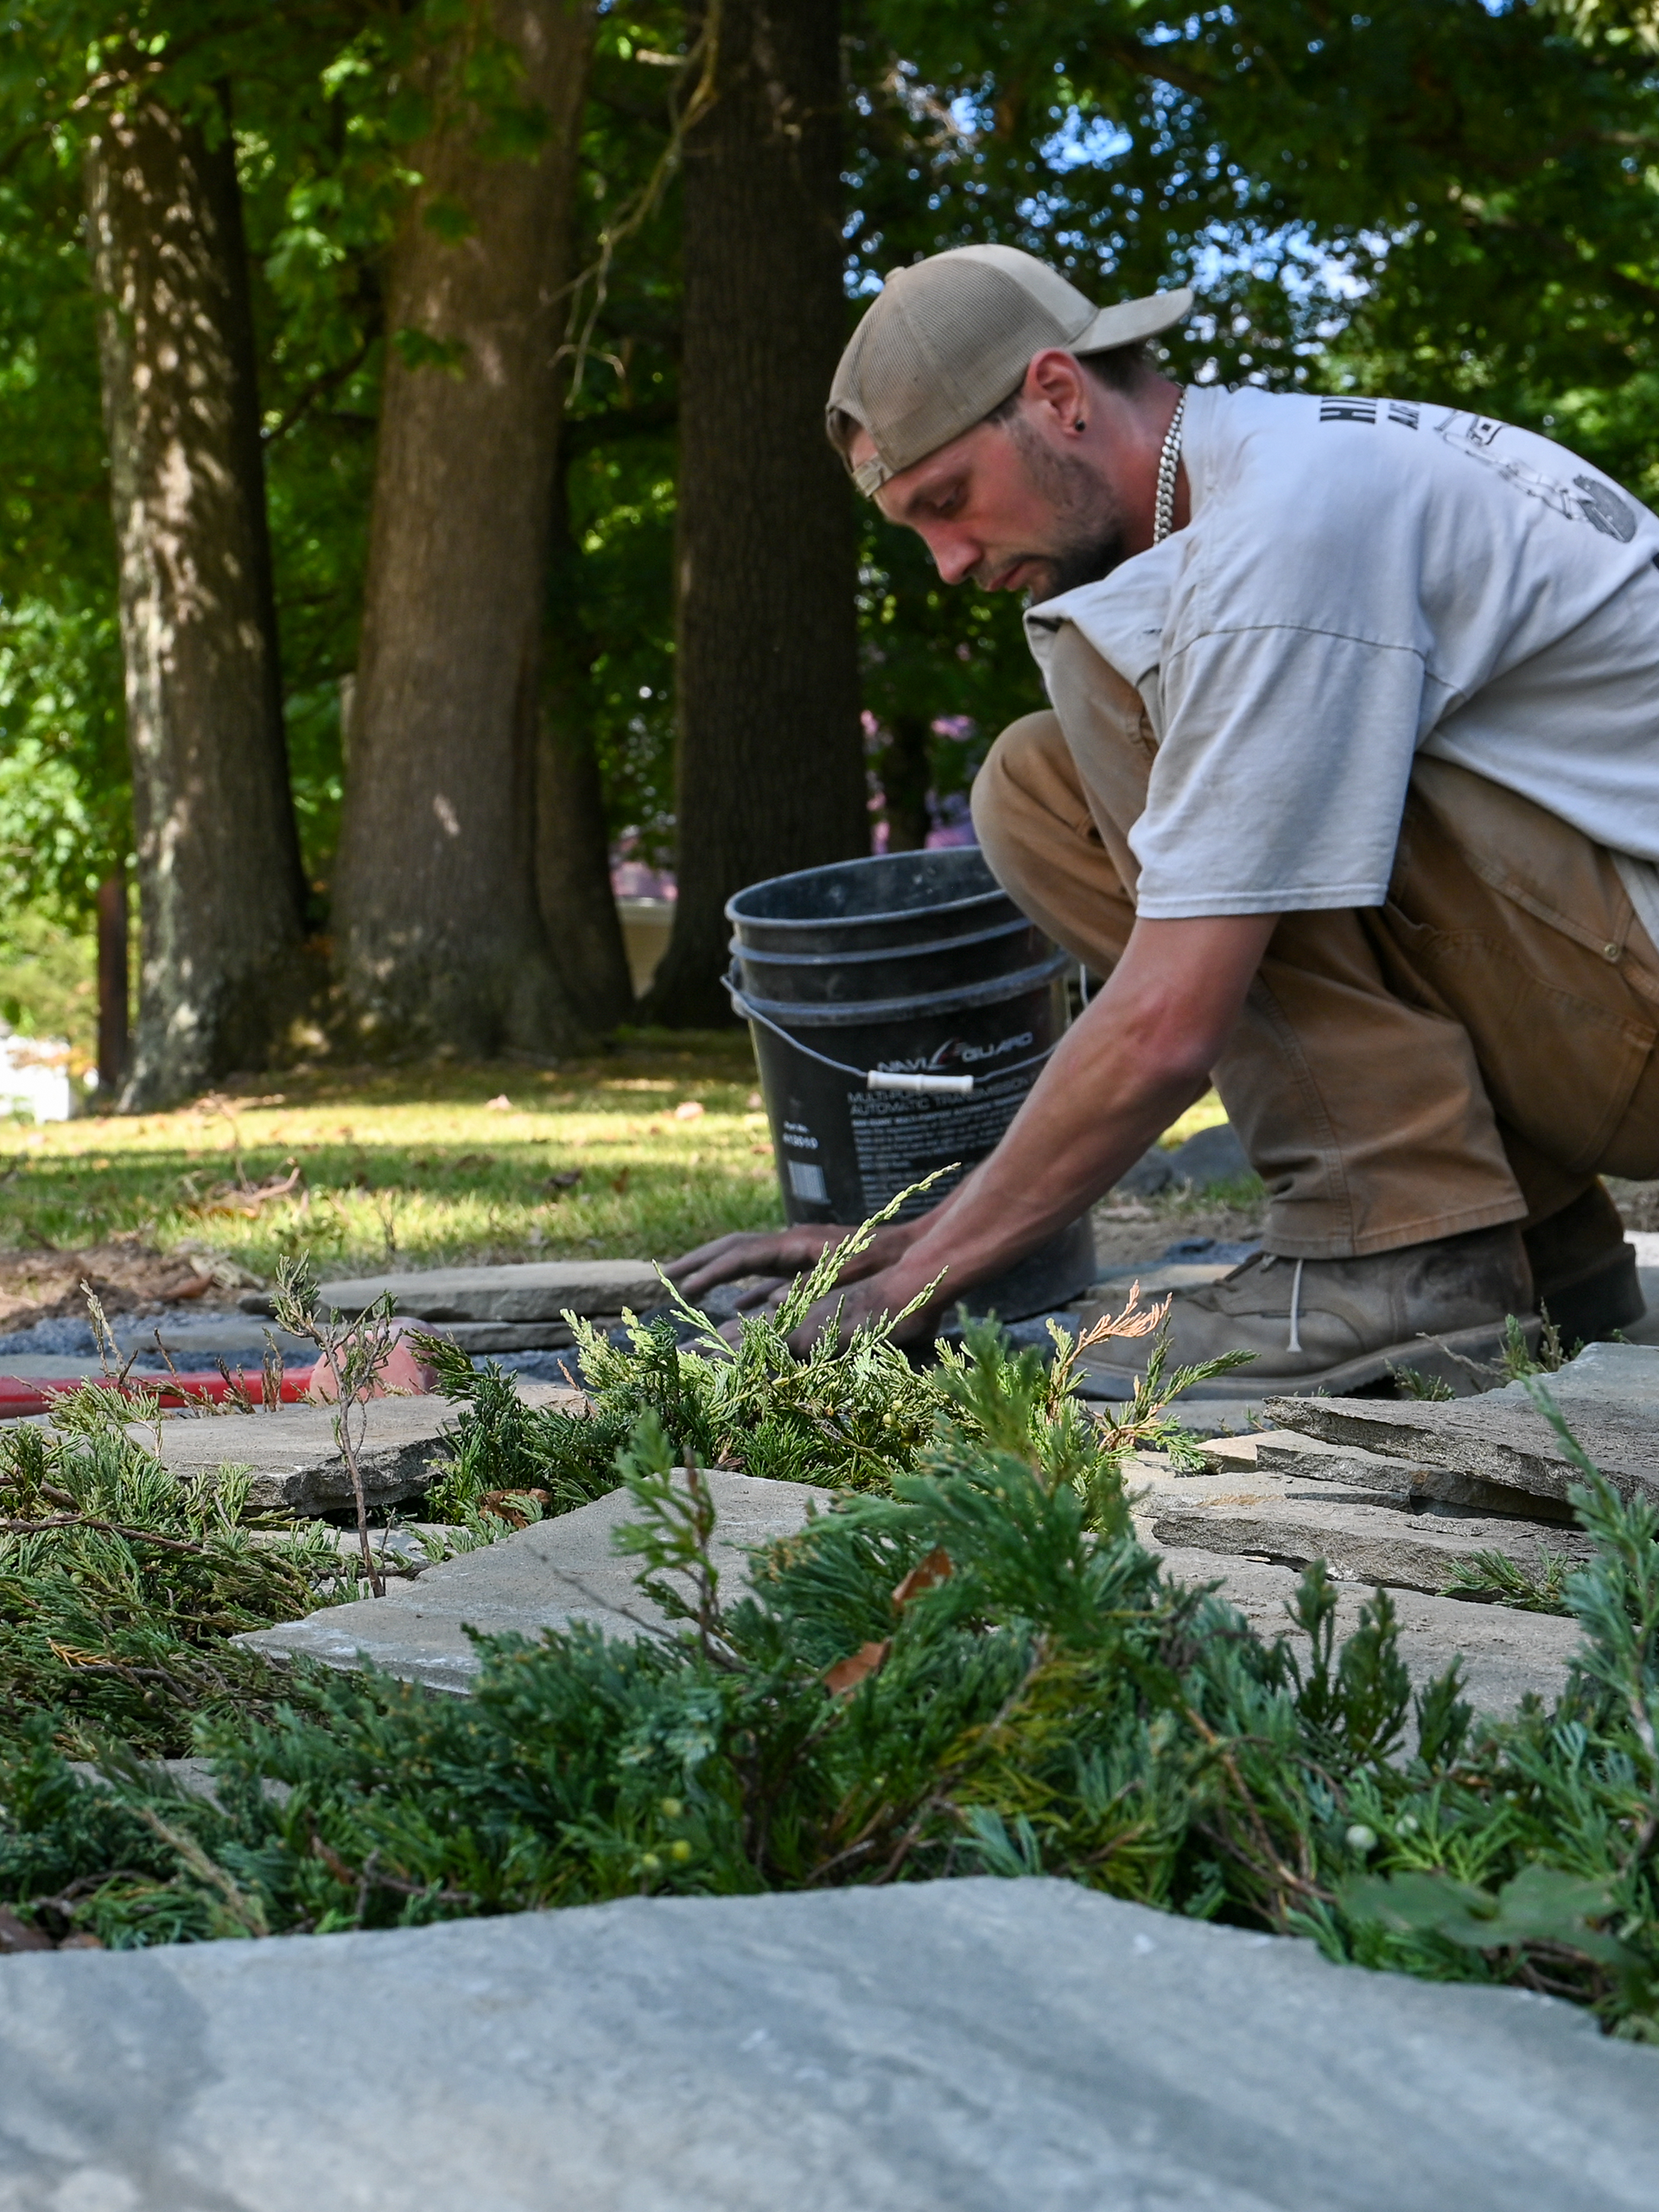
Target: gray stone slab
column 539, row 1578
column 230, row 1336
column 196, row 1353
column 540, row 1395
column 532, row 1290
column 978, row 2045
column 193, row 1776
column 1406, row 1480
column 565, row 1569
column 49, row 1367
column 404, row 1544
column 1625, row 1375
column 297, row 1462
column 1609, row 1395
column 1505, row 1654
column 1208, row 1417
column 1358, row 1541
column 517, row 1336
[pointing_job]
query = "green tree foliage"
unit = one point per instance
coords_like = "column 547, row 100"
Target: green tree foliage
column 1446, row 199
column 63, row 793
column 1449, row 199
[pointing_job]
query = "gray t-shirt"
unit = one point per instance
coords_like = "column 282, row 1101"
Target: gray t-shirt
column 1361, row 578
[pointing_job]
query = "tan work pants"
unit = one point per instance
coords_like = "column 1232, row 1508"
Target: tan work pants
column 1475, row 1051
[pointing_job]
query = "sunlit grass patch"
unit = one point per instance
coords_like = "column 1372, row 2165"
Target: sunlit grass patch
column 646, row 1151
column 1207, row 1113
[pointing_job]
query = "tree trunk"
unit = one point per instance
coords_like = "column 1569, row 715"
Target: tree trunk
column 113, row 985
column 439, row 936
column 220, row 894
column 771, row 773
column 573, row 866
column 907, row 775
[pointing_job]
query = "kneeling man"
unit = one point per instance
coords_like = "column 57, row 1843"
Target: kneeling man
column 1350, row 789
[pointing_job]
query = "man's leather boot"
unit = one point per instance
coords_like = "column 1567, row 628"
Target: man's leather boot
column 1583, row 1271
column 1338, row 1325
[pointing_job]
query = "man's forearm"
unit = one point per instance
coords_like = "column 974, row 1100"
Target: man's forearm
column 1141, row 1054
column 1067, row 1146
column 1125, row 1070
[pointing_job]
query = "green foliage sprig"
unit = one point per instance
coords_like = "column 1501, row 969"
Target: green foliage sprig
column 982, row 1671
column 121, row 1583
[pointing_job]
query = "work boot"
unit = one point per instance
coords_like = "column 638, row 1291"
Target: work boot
column 1338, row 1325
column 1583, row 1271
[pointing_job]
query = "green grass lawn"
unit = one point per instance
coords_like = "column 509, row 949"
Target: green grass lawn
column 421, row 1166
column 647, row 1150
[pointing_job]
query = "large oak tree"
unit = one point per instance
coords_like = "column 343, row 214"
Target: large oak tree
column 770, row 773
column 440, row 937
column 220, row 887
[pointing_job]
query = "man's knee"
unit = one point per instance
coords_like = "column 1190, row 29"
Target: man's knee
column 1013, row 826
column 1019, row 796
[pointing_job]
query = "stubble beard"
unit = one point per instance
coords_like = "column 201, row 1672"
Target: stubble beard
column 1089, row 526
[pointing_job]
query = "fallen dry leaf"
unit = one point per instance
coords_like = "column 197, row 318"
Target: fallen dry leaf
column 935, row 1568
column 688, row 1109
column 499, row 1104
column 509, row 1504
column 846, row 1674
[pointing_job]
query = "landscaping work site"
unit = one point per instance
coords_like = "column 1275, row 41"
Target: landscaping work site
column 697, row 1621
column 829, row 1107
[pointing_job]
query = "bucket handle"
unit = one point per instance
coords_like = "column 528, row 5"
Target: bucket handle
column 939, row 1086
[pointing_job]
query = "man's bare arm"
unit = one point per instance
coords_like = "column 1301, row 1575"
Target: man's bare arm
column 1140, row 1054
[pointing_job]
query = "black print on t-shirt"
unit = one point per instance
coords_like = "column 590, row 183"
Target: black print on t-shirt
column 1474, row 435
column 1605, row 508
column 1347, row 410
column 1399, row 412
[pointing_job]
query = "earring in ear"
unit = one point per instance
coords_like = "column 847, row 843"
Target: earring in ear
column 1078, row 424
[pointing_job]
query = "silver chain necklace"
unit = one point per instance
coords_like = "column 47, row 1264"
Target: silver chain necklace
column 1169, row 462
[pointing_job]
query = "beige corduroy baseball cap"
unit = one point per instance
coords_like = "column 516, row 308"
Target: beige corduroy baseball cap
column 948, row 339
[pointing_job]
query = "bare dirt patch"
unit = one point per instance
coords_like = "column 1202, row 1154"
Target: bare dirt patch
column 126, row 1276
column 1128, row 1232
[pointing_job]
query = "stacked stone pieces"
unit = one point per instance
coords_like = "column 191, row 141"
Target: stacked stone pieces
column 519, row 1307
column 1403, row 1493
column 1609, row 1396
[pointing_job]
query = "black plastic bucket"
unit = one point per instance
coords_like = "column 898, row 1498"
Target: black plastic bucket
column 919, row 966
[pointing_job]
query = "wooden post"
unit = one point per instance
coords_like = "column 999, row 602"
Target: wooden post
column 111, row 988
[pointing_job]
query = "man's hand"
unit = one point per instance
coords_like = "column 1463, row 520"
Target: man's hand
column 872, row 1298
column 861, row 1295
column 781, row 1254
column 1138, row 1056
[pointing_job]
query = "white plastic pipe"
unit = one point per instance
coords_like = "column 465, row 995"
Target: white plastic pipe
column 944, row 1086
